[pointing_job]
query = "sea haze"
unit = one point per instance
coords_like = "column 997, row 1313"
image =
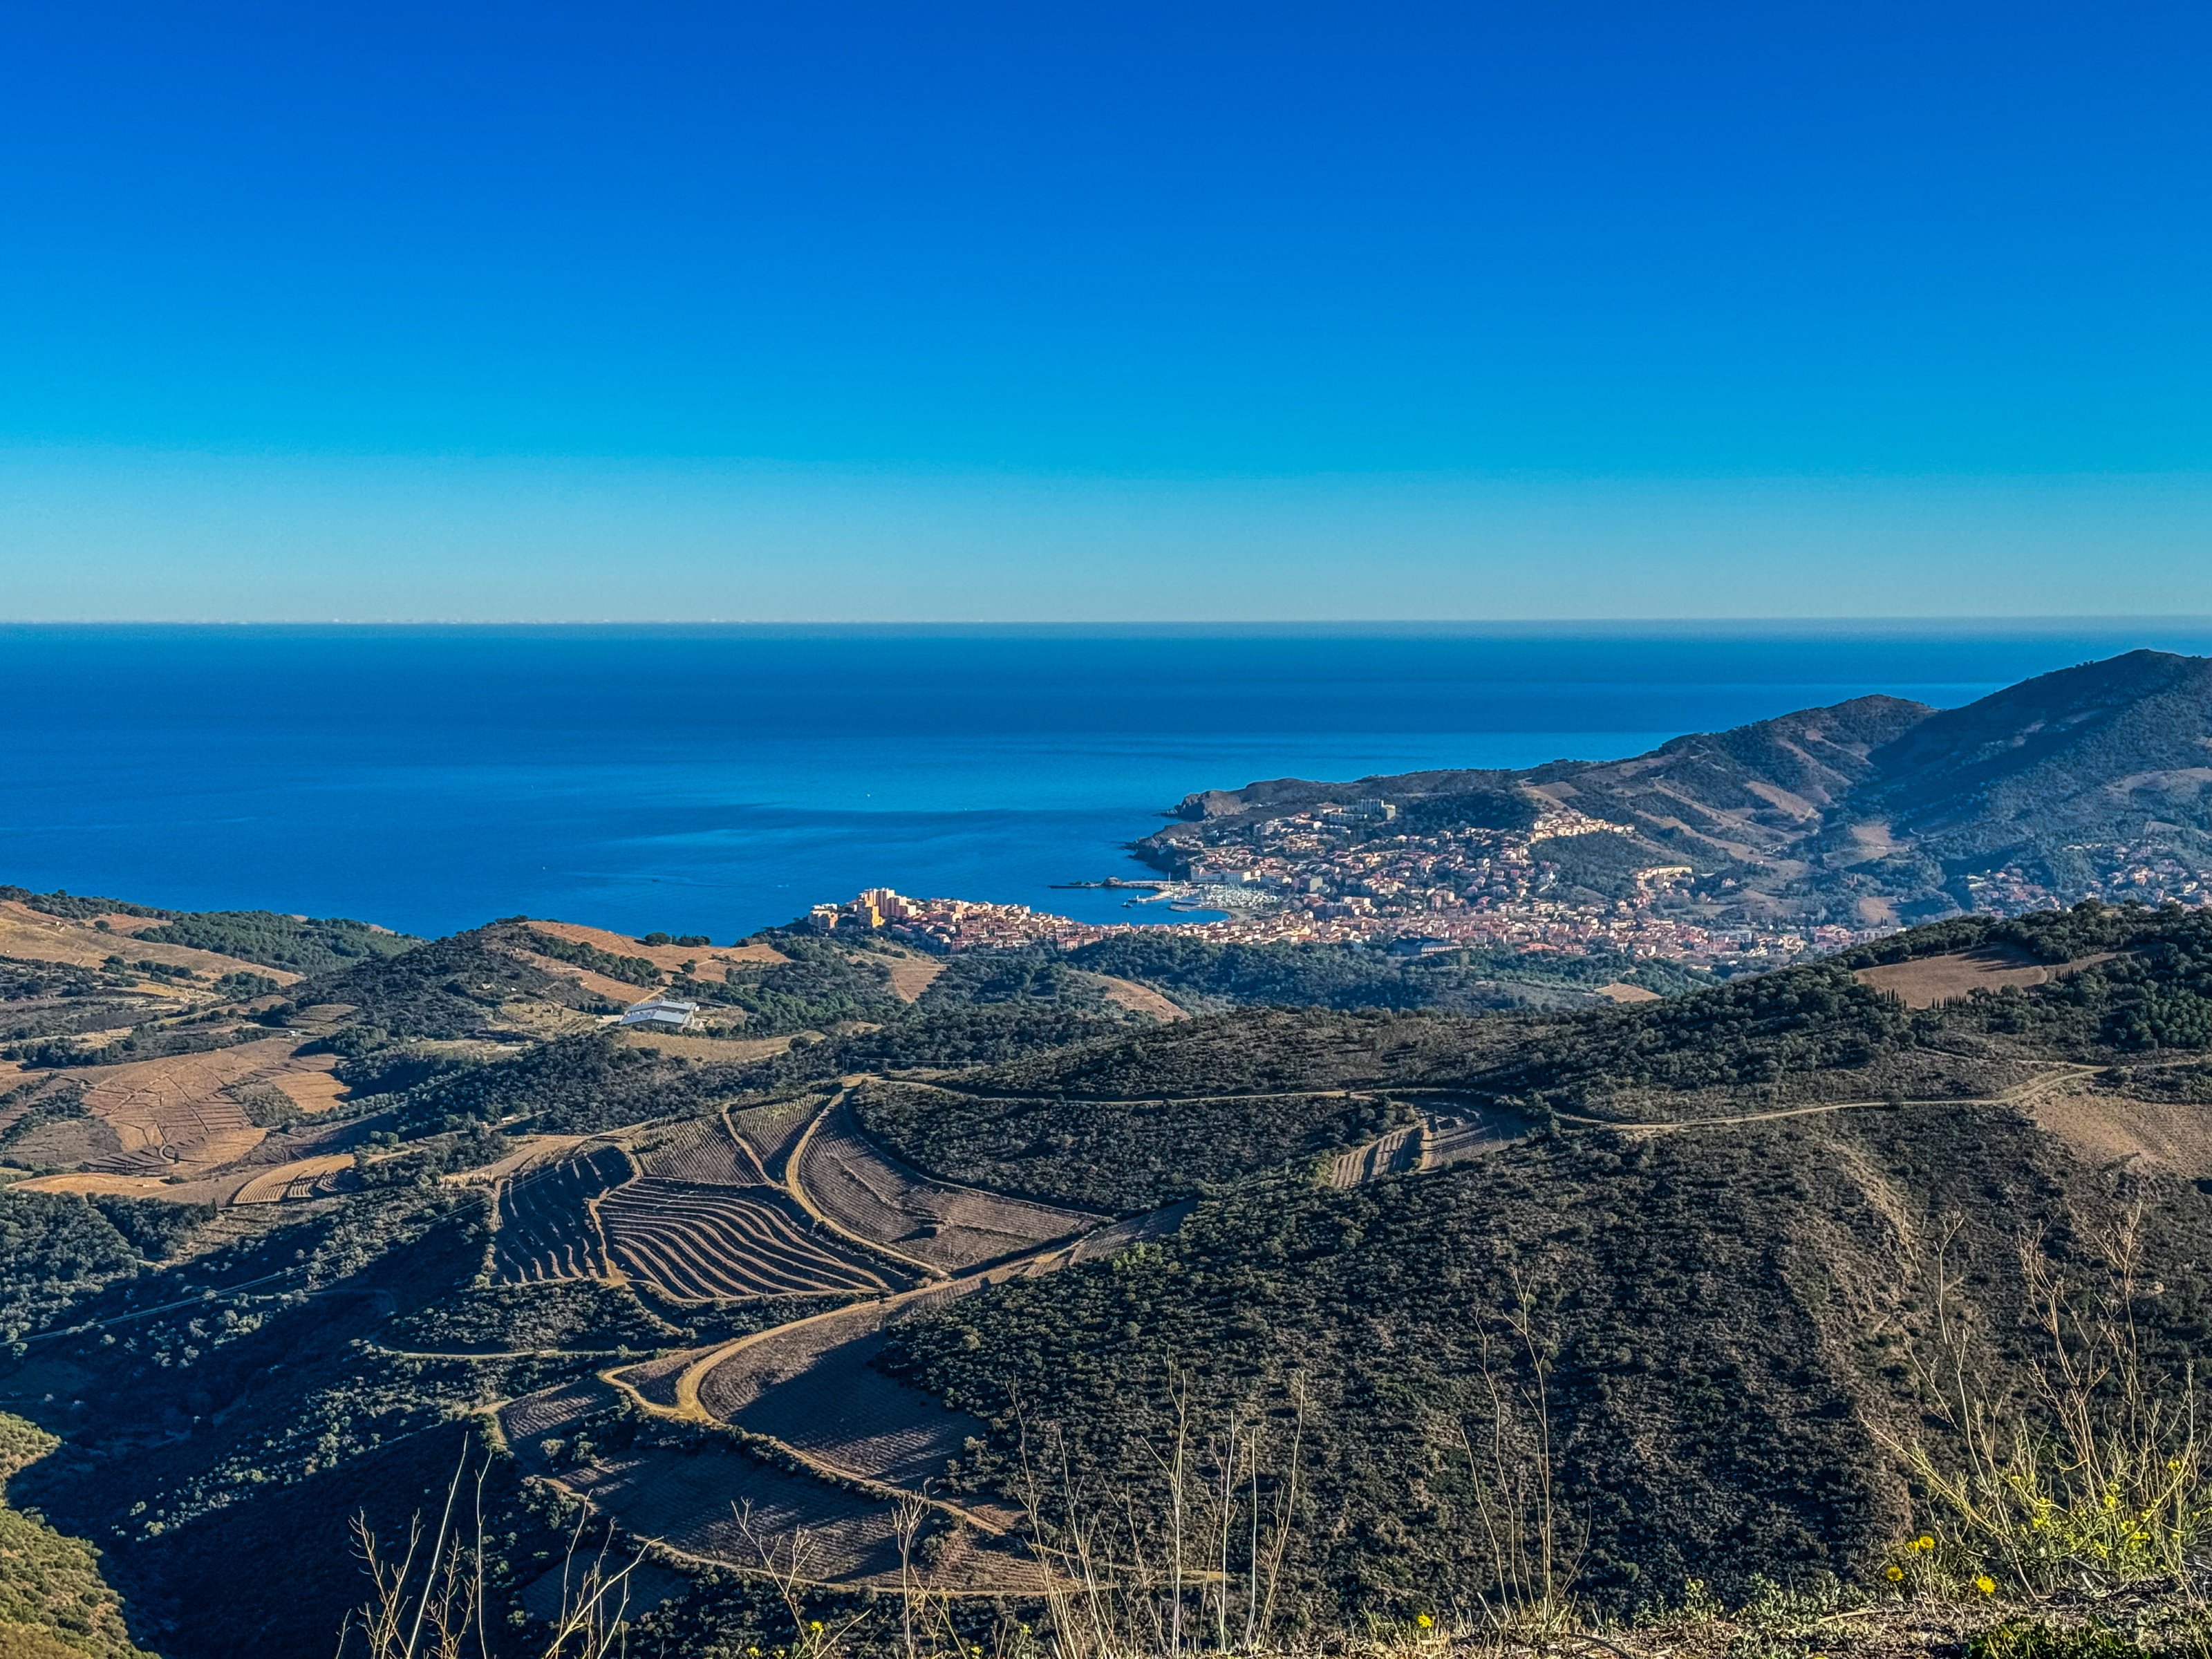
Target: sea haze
column 717, row 780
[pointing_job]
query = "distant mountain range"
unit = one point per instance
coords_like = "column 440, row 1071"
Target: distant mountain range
column 2094, row 782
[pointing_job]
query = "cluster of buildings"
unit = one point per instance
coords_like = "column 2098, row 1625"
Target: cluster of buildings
column 1353, row 874
column 1335, row 874
column 2142, row 874
column 947, row 924
column 1533, row 924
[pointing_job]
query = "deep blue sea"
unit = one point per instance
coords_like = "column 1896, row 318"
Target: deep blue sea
column 716, row 780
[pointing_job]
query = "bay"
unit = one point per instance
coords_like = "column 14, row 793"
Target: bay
column 719, row 779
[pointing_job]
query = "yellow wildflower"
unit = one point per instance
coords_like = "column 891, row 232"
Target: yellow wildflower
column 1894, row 1573
column 815, row 1625
column 1423, row 1620
column 1923, row 1543
column 1987, row 1585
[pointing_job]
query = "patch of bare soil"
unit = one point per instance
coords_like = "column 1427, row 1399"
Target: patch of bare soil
column 1927, row 981
column 683, row 1045
column 1618, row 992
column 1455, row 1137
column 654, row 1379
column 691, row 1498
column 847, row 1416
column 1139, row 999
column 2161, row 1137
column 912, row 973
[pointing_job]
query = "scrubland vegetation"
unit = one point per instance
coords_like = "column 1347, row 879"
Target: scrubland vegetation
column 1788, row 1279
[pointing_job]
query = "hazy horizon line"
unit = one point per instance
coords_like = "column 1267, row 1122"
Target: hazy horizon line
column 1984, row 623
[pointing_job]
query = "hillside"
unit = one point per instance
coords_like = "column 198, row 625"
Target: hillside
column 1694, row 1243
column 1723, row 1294
column 2094, row 782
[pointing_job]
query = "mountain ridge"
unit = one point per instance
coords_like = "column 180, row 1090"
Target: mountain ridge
column 2090, row 781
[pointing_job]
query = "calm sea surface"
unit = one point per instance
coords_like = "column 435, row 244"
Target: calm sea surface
column 717, row 780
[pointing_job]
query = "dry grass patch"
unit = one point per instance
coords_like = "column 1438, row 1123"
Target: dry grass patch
column 314, row 1088
column 1924, row 982
column 669, row 958
column 1139, row 999
column 1620, row 992
column 546, row 1021
column 912, row 973
column 102, row 1186
column 599, row 984
column 2159, row 1137
column 683, row 1045
column 174, row 1114
column 34, row 936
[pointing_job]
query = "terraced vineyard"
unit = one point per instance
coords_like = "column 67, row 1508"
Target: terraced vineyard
column 697, row 1242
column 946, row 1227
column 1391, row 1154
column 771, row 1132
column 302, row 1178
column 545, row 1228
column 705, row 1153
column 172, row 1116
column 1138, row 1230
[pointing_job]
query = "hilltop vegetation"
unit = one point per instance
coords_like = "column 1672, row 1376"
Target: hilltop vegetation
column 1129, row 1155
column 1252, row 1051
column 1205, row 976
column 304, row 945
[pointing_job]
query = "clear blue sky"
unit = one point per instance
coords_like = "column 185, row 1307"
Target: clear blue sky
column 1139, row 311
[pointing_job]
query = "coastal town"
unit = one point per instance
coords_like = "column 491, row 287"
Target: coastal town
column 1534, row 875
column 1337, row 874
